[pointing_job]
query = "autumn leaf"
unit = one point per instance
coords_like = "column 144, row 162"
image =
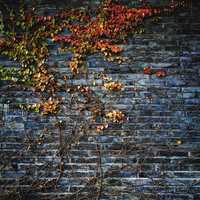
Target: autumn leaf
column 148, row 70
column 115, row 116
column 114, row 86
column 161, row 73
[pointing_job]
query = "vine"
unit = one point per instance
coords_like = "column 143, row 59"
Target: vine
column 25, row 41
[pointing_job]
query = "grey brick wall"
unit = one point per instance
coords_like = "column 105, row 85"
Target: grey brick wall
column 141, row 158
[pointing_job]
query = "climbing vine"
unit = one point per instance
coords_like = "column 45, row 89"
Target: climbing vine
column 26, row 40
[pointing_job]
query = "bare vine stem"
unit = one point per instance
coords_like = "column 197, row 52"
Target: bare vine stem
column 100, row 169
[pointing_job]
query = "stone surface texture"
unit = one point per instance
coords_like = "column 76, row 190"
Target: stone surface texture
column 154, row 155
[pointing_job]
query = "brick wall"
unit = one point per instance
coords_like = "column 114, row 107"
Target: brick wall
column 154, row 155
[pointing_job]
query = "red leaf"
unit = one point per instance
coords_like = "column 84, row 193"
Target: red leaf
column 161, row 73
column 148, row 70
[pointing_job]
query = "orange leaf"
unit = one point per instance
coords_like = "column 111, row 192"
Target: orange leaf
column 148, row 70
column 161, row 73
